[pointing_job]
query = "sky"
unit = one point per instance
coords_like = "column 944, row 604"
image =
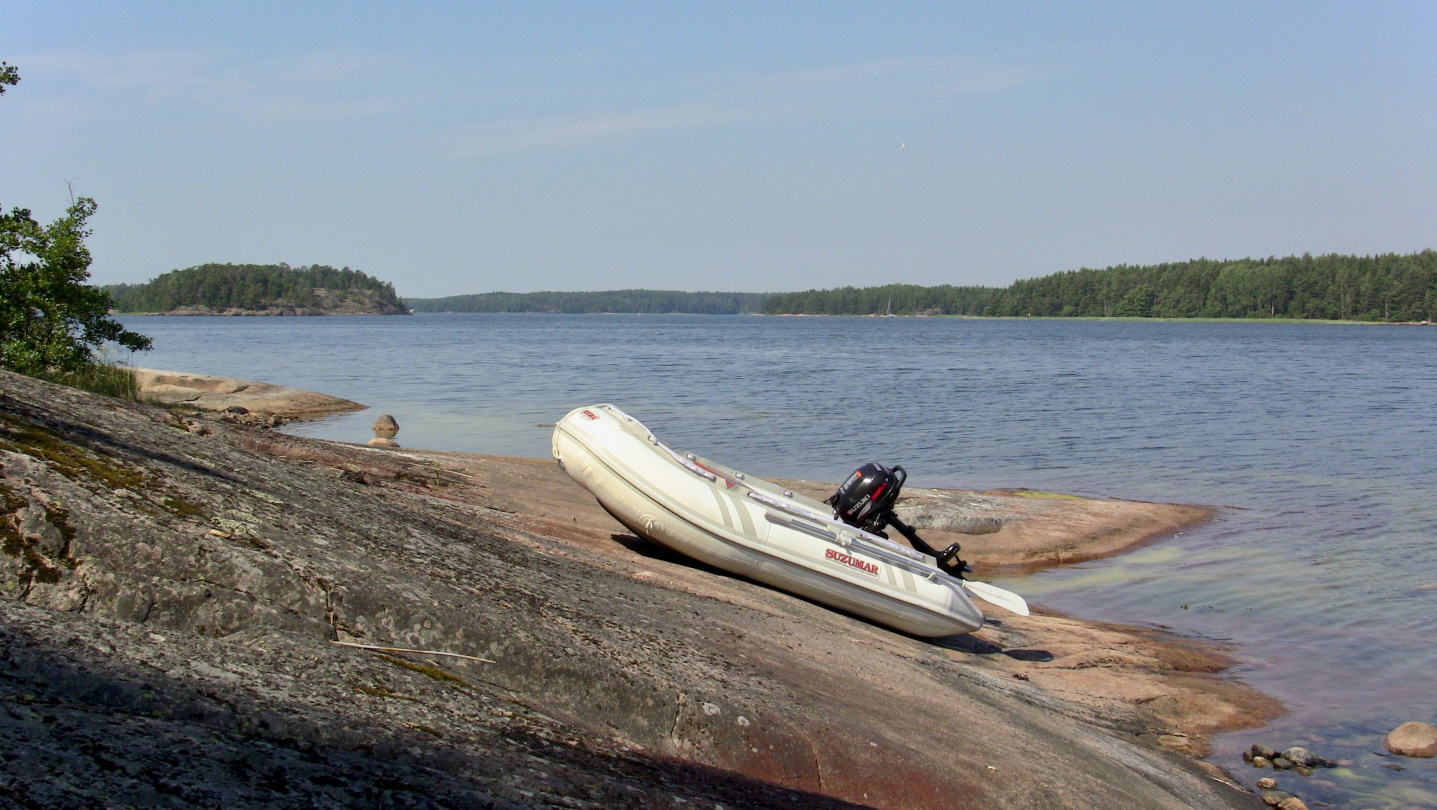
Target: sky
column 467, row 147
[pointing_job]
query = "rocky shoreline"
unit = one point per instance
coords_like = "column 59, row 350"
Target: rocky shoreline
column 174, row 585
column 243, row 401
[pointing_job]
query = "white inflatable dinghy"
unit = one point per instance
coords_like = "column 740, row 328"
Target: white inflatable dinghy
column 759, row 530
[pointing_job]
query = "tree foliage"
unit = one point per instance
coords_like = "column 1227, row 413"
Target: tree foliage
column 50, row 319
column 608, row 301
column 1388, row 287
column 901, row 299
column 9, row 77
column 248, row 287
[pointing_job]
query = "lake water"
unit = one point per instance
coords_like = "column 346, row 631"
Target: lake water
column 1319, row 442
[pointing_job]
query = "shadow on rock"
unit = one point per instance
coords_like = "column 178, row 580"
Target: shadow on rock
column 201, row 735
column 976, row 646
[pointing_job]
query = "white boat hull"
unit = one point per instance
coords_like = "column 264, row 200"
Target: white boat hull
column 754, row 528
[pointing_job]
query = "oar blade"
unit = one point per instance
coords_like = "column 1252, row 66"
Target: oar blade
column 1007, row 600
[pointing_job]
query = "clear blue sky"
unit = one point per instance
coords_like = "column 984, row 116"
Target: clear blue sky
column 474, row 147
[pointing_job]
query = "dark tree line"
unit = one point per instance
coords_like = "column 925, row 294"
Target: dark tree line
column 1388, row 287
column 900, row 299
column 609, row 301
column 245, row 286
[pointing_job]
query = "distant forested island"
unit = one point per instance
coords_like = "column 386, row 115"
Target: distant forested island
column 1389, row 287
column 259, row 289
column 608, row 301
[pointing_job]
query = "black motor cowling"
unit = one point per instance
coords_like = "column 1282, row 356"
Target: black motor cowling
column 866, row 498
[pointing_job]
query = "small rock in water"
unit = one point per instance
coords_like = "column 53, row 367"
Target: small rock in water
column 1267, row 783
column 380, row 441
column 385, row 427
column 1260, row 762
column 1247, row 756
column 1273, row 797
column 1292, row 803
column 1303, row 770
column 1413, row 740
column 1260, row 750
column 1299, row 756
column 1281, row 764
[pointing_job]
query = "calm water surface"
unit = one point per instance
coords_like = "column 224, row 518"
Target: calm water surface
column 1319, row 441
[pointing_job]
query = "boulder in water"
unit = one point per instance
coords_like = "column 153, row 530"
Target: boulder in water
column 1413, row 740
column 385, row 427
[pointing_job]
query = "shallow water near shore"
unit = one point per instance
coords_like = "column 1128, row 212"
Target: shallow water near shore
column 1320, row 442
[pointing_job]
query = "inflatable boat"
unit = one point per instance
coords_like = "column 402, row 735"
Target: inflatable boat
column 760, row 530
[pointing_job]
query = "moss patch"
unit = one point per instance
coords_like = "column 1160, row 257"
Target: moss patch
column 10, row 540
column 39, row 569
column 36, row 566
column 64, row 456
column 447, row 678
column 60, row 519
column 182, row 508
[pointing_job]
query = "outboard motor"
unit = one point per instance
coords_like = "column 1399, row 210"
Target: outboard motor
column 865, row 500
column 867, row 496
